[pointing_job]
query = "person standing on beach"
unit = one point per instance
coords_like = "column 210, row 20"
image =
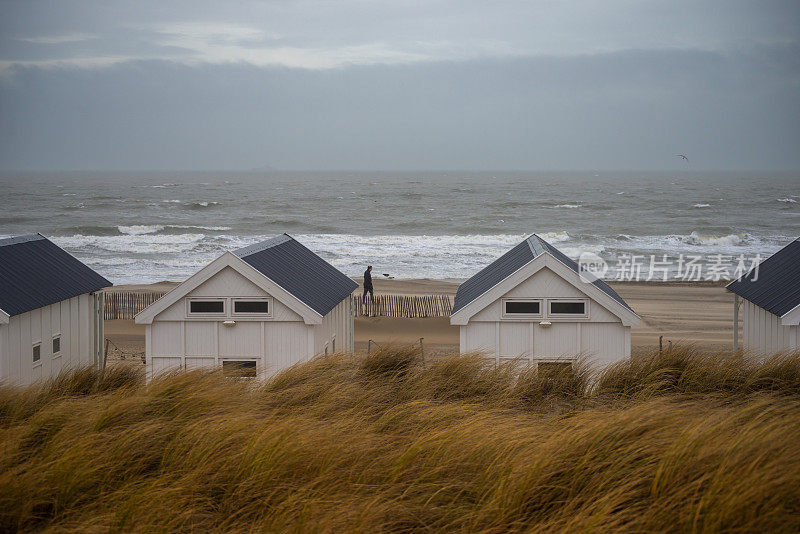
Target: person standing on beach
column 368, row 285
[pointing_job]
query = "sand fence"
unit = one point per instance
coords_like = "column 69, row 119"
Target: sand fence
column 126, row 304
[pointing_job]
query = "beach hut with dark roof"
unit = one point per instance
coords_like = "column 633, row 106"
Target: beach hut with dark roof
column 771, row 303
column 51, row 311
column 252, row 312
column 533, row 303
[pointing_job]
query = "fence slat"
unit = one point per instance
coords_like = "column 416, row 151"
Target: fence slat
column 408, row 306
column 126, row 304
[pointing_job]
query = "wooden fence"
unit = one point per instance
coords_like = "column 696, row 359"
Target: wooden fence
column 126, row 304
column 404, row 306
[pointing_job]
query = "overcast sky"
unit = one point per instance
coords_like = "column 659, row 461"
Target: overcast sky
column 346, row 84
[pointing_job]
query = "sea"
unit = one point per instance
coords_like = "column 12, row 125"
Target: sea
column 143, row 227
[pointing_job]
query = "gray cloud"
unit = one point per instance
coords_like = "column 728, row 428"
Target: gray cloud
column 387, row 85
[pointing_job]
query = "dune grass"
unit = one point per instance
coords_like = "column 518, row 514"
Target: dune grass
column 683, row 441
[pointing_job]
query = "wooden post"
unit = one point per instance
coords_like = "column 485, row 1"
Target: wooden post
column 735, row 321
column 421, row 350
column 660, row 344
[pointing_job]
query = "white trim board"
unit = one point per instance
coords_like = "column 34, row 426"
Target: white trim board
column 228, row 259
column 462, row 316
column 792, row 317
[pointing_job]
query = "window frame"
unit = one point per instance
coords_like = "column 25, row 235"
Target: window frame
column 56, row 353
column 250, row 364
column 506, row 315
column 190, row 314
column 34, row 346
column 255, row 315
column 557, row 316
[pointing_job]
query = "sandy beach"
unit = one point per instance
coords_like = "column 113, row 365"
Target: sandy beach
column 696, row 313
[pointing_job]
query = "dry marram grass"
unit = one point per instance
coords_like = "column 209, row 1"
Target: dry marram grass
column 682, row 441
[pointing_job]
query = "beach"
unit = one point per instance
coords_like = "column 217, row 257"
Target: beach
column 687, row 313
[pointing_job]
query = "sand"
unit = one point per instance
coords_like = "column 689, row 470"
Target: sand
column 696, row 313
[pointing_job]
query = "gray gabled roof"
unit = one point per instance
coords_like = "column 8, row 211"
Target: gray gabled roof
column 512, row 261
column 775, row 286
column 299, row 271
column 35, row 272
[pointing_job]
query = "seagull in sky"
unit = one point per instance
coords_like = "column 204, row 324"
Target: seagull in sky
column 682, row 156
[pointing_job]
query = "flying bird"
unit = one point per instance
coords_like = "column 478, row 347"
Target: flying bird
column 682, row 156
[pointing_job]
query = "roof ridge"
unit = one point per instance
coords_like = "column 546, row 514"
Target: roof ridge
column 544, row 245
column 15, row 240
column 262, row 245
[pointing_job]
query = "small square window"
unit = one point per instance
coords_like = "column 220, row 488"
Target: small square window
column 206, row 306
column 251, row 306
column 56, row 344
column 37, row 352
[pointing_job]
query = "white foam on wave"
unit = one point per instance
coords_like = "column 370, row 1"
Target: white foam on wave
column 132, row 244
column 555, row 237
column 140, row 229
column 716, row 240
column 172, row 201
column 569, row 206
column 787, row 199
column 199, row 227
column 700, row 205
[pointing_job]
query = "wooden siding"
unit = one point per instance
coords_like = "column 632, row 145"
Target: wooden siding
column 762, row 332
column 216, row 287
column 601, row 337
column 275, row 343
column 545, row 284
column 73, row 319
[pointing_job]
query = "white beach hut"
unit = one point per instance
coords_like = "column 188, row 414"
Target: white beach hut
column 771, row 310
column 253, row 312
column 51, row 311
column 532, row 304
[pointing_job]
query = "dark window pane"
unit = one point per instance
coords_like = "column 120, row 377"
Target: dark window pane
column 239, row 369
column 206, row 306
column 575, row 308
column 522, row 307
column 251, row 306
column 37, row 352
column 56, row 345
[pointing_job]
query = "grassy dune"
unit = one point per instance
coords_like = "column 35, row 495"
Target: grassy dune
column 684, row 441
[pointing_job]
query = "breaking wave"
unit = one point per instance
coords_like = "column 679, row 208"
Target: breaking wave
column 140, row 229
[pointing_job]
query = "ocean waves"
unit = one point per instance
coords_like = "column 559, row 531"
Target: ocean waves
column 147, row 253
column 144, row 227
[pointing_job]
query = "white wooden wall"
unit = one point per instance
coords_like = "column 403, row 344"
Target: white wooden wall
column 174, row 341
column 601, row 337
column 73, row 319
column 338, row 326
column 763, row 332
